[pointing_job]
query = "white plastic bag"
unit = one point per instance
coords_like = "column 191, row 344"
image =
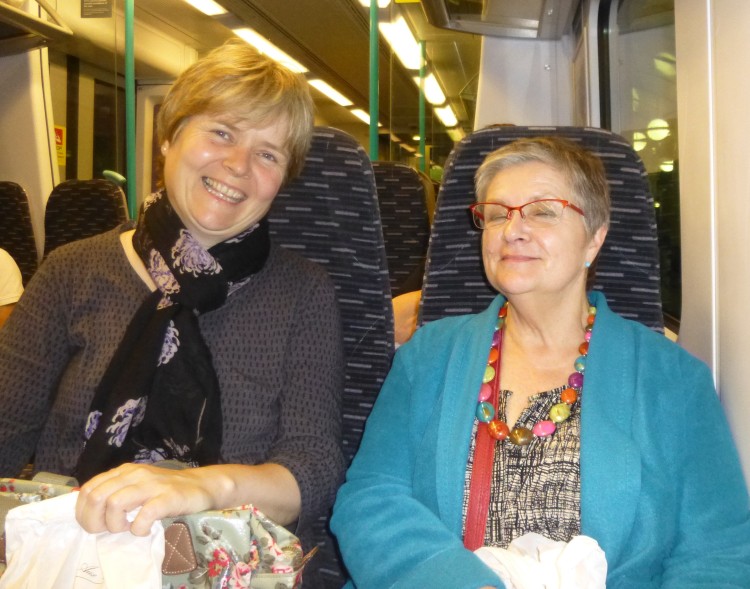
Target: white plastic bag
column 46, row 548
column 535, row 562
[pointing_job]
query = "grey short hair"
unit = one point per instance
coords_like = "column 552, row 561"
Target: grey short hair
column 583, row 170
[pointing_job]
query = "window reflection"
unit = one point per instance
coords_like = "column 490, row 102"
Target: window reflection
column 643, row 103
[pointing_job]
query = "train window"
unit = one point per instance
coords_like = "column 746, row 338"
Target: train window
column 639, row 101
column 109, row 128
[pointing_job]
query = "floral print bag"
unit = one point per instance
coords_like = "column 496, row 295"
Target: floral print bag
column 235, row 549
column 228, row 549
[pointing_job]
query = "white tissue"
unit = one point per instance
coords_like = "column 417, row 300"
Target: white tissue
column 535, row 562
column 46, row 548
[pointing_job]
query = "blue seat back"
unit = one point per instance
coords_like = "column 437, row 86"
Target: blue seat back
column 627, row 269
column 77, row 209
column 406, row 228
column 329, row 214
column 16, row 231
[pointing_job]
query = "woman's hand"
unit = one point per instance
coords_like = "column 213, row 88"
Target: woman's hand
column 104, row 501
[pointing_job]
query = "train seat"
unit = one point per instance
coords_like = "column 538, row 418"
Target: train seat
column 430, row 195
column 627, row 268
column 16, row 230
column 82, row 208
column 406, row 228
column 329, row 214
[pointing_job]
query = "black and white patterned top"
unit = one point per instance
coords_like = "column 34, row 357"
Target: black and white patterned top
column 535, row 488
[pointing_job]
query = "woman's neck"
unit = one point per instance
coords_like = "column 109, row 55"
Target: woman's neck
column 546, row 325
column 126, row 240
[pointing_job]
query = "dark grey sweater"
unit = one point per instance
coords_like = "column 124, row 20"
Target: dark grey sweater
column 276, row 347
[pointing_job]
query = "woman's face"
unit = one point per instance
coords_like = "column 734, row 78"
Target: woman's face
column 548, row 260
column 222, row 174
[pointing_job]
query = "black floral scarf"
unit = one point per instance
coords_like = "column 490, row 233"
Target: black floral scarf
column 159, row 397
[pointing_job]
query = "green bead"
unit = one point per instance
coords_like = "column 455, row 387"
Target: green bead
column 559, row 412
column 489, row 374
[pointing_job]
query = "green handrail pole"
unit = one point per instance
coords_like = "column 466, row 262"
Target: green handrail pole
column 374, row 55
column 130, row 107
column 422, row 126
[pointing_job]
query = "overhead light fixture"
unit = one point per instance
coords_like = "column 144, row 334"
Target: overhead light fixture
column 447, row 116
column 362, row 116
column 432, row 90
column 639, row 140
column 404, row 45
column 331, row 92
column 657, row 129
column 208, row 7
column 456, row 134
column 415, row 138
column 667, row 166
column 267, row 48
column 666, row 65
column 381, row 3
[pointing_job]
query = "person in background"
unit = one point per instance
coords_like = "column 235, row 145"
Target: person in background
column 547, row 416
column 11, row 285
column 189, row 336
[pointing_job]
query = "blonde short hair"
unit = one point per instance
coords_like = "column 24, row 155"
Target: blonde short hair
column 583, row 170
column 235, row 79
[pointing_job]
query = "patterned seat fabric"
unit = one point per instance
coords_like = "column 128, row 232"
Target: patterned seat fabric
column 330, row 216
column 77, row 209
column 627, row 269
column 16, row 231
column 406, row 229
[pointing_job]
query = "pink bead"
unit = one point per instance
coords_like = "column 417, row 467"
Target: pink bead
column 544, row 429
column 484, row 392
column 587, row 336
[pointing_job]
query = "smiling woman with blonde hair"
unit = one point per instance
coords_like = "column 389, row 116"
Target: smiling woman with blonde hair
column 188, row 336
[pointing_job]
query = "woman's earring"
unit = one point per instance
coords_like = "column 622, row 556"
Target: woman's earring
column 587, row 264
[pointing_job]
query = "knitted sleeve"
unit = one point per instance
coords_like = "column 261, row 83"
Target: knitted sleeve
column 34, row 350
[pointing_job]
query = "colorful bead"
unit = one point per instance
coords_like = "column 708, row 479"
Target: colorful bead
column 498, row 429
column 521, row 436
column 544, row 428
column 575, row 380
column 559, row 412
column 569, row 396
column 485, row 412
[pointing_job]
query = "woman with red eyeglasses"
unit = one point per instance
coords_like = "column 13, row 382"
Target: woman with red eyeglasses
column 547, row 418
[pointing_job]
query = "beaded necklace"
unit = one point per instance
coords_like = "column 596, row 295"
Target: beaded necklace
column 489, row 391
column 490, row 429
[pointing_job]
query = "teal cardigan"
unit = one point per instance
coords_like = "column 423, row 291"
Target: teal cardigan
column 662, row 490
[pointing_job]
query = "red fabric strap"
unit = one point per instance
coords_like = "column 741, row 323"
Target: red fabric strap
column 481, row 474
column 479, row 490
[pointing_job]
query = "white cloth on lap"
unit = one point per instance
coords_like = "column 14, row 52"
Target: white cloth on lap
column 46, row 548
column 535, row 562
